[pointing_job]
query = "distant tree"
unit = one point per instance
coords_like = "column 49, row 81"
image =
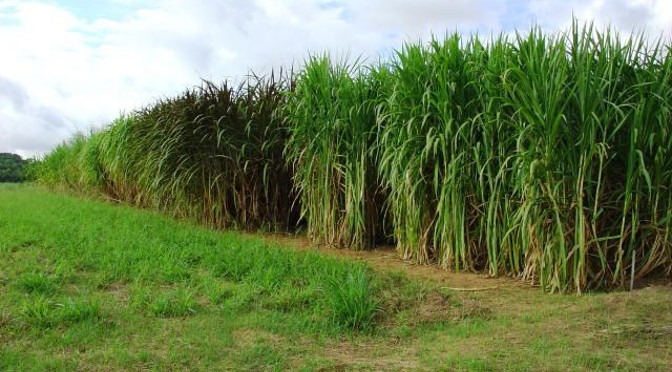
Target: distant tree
column 11, row 167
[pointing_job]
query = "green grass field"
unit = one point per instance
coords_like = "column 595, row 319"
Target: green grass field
column 87, row 285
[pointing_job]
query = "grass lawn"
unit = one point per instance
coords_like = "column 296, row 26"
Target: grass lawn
column 86, row 285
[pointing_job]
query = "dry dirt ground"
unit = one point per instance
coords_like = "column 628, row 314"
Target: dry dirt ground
column 385, row 258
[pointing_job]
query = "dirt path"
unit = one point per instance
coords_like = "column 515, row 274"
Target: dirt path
column 385, row 258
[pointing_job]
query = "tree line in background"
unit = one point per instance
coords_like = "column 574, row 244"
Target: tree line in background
column 543, row 157
column 12, row 168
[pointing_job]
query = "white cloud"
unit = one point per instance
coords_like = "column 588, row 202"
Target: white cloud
column 67, row 68
column 29, row 126
column 654, row 17
column 423, row 16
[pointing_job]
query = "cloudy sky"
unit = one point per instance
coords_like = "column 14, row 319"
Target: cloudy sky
column 73, row 65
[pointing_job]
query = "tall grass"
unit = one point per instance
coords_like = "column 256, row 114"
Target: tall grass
column 61, row 167
column 213, row 153
column 546, row 157
column 332, row 125
column 543, row 157
column 426, row 125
